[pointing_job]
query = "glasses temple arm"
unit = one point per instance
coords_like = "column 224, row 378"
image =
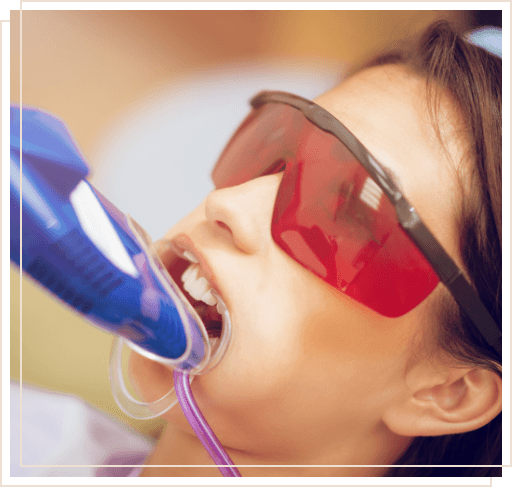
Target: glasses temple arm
column 449, row 274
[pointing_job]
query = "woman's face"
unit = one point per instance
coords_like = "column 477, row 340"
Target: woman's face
column 308, row 366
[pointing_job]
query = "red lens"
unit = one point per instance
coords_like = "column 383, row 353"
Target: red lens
column 333, row 219
column 329, row 214
column 267, row 136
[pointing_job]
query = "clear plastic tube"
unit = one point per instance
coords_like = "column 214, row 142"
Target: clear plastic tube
column 201, row 427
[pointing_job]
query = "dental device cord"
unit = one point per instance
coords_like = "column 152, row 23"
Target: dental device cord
column 201, row 427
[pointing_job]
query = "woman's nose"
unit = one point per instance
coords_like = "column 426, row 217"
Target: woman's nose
column 246, row 211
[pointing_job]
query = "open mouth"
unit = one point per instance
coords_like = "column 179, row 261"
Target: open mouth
column 193, row 277
column 187, row 274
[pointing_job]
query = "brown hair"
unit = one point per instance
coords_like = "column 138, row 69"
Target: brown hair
column 473, row 78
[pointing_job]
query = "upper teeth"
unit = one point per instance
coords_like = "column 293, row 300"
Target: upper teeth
column 190, row 256
column 197, row 286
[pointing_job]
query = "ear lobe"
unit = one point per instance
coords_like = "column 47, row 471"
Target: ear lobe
column 445, row 402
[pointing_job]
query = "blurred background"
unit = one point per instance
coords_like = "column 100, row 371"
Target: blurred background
column 151, row 98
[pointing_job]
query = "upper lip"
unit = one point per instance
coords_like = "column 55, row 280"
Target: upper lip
column 182, row 243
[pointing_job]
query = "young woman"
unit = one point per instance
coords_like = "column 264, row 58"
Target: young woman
column 346, row 349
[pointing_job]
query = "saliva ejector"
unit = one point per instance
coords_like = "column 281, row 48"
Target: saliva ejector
column 101, row 263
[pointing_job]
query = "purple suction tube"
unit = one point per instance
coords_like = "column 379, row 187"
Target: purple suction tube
column 201, row 427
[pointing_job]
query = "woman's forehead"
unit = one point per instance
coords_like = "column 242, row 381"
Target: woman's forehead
column 386, row 102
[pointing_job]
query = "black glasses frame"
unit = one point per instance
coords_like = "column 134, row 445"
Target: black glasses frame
column 446, row 269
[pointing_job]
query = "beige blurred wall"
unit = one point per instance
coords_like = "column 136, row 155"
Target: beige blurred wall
column 87, row 66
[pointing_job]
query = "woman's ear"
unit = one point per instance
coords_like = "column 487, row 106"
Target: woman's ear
column 443, row 401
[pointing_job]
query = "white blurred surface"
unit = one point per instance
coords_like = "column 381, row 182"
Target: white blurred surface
column 154, row 160
column 61, row 435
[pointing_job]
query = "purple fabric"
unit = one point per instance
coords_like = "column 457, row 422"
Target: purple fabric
column 120, row 471
column 135, row 472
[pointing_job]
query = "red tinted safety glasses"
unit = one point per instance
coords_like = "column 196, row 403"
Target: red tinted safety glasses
column 339, row 214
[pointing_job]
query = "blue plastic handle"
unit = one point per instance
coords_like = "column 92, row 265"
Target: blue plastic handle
column 75, row 254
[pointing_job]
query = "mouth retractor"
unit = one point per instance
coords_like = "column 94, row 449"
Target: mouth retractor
column 202, row 352
column 214, row 350
column 139, row 409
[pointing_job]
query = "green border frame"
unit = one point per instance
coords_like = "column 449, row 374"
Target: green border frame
column 15, row 5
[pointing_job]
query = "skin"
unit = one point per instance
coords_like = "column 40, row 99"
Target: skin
column 312, row 377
